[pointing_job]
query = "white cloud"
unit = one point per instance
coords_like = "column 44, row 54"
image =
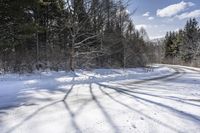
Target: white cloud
column 147, row 26
column 174, row 9
column 138, row 27
column 156, row 37
column 150, row 18
column 193, row 14
column 146, row 14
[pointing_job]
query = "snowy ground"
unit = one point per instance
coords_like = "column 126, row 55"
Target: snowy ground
column 165, row 100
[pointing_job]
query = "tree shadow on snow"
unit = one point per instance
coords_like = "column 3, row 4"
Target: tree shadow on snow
column 181, row 114
column 124, row 91
column 103, row 111
column 53, row 104
column 139, row 112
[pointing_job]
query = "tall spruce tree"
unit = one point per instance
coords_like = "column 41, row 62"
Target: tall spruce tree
column 190, row 40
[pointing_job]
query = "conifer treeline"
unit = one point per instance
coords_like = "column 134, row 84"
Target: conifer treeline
column 68, row 34
column 183, row 47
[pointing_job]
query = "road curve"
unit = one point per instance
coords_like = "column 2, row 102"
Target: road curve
column 167, row 103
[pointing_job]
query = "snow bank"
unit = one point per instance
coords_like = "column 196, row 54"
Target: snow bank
column 13, row 85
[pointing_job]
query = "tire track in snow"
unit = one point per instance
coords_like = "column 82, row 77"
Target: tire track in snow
column 178, row 73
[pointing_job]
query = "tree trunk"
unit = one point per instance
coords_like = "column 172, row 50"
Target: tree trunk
column 71, row 54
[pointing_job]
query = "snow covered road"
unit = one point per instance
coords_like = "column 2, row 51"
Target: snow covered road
column 165, row 100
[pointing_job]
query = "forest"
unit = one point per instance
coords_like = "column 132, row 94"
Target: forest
column 83, row 34
column 183, row 47
column 67, row 35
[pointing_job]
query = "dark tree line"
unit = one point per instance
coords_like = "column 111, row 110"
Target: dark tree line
column 183, row 47
column 68, row 34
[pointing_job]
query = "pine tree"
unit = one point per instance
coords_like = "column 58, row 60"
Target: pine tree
column 190, row 40
column 68, row 34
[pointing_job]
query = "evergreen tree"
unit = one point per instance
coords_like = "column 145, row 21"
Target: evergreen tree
column 68, row 34
column 190, row 40
column 184, row 45
column 169, row 45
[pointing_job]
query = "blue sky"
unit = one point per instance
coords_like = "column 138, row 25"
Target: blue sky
column 160, row 16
